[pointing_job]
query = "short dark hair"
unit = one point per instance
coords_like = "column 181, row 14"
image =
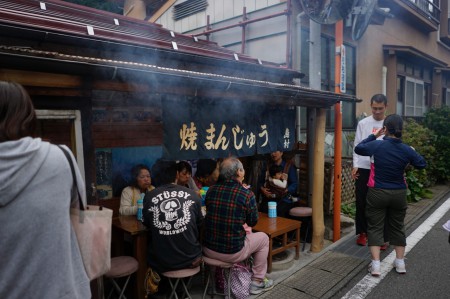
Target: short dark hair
column 17, row 115
column 205, row 167
column 184, row 165
column 379, row 98
column 135, row 173
column 394, row 125
column 274, row 169
column 168, row 172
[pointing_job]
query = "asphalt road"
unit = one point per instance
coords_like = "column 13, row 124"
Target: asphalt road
column 427, row 264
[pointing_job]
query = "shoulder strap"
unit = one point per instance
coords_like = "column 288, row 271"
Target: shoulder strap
column 73, row 176
column 287, row 166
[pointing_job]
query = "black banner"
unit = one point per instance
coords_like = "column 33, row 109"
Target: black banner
column 195, row 129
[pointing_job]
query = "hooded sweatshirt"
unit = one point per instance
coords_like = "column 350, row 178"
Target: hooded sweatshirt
column 39, row 254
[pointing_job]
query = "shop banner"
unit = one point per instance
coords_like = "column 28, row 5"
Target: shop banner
column 195, row 129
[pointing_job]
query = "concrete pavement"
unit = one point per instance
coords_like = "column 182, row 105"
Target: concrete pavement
column 323, row 274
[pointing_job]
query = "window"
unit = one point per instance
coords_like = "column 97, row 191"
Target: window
column 415, row 104
column 188, row 8
column 413, row 87
column 447, row 97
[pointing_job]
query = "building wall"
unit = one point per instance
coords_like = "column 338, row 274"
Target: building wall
column 266, row 40
column 218, row 10
column 370, row 56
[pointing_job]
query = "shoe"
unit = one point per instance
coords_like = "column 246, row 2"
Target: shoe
column 265, row 285
column 362, row 239
column 400, row 268
column 374, row 270
column 384, row 246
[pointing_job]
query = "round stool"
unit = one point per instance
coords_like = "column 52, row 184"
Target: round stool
column 176, row 276
column 212, row 263
column 304, row 214
column 121, row 266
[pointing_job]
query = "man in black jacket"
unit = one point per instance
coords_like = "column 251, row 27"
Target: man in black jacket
column 172, row 213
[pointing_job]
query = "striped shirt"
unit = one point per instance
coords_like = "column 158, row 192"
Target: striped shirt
column 228, row 206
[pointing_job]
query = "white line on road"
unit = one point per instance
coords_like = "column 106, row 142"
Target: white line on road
column 368, row 283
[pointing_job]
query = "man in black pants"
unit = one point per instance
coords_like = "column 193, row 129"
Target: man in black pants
column 361, row 165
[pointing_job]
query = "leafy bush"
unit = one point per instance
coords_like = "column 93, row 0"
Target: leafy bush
column 416, row 190
column 349, row 209
column 438, row 120
column 422, row 139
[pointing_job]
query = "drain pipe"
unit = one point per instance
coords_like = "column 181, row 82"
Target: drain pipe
column 296, row 62
column 383, row 79
column 296, row 65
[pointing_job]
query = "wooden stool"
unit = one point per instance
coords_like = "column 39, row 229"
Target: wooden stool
column 176, row 276
column 212, row 263
column 304, row 214
column 121, row 266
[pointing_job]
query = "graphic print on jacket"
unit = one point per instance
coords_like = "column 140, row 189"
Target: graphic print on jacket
column 169, row 215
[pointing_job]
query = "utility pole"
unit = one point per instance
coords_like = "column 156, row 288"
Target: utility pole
column 339, row 54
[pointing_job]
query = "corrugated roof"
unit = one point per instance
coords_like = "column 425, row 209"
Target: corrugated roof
column 64, row 17
column 43, row 28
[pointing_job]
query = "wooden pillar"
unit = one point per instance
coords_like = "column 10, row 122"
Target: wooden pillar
column 135, row 9
column 317, row 193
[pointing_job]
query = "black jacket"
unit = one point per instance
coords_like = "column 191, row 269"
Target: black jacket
column 172, row 213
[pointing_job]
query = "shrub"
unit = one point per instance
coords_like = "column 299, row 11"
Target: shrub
column 349, row 209
column 422, row 139
column 438, row 120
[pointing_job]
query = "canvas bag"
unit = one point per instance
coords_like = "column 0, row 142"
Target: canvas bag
column 241, row 278
column 92, row 225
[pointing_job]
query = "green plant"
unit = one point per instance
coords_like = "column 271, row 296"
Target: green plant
column 416, row 190
column 422, row 140
column 438, row 120
column 349, row 209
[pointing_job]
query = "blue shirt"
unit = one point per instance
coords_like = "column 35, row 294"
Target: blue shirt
column 389, row 158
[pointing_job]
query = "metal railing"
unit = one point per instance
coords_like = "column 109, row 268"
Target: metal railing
column 427, row 8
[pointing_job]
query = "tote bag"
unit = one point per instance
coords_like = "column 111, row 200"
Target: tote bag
column 92, row 226
column 240, row 280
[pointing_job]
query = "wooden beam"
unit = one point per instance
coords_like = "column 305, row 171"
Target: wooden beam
column 29, row 78
column 161, row 11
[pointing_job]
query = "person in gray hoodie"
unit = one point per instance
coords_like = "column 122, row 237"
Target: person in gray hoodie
column 39, row 254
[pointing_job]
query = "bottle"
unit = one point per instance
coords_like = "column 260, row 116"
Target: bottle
column 140, row 205
column 272, row 205
column 203, row 191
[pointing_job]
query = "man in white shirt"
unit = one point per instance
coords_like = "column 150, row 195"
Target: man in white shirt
column 361, row 164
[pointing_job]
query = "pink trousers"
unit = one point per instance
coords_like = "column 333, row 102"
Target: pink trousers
column 256, row 244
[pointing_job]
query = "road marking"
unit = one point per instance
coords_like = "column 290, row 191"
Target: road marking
column 368, row 283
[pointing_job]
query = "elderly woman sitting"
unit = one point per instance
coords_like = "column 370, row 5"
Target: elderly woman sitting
column 141, row 183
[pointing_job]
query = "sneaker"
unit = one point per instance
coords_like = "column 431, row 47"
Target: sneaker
column 384, row 246
column 265, row 285
column 374, row 270
column 362, row 239
column 400, row 268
